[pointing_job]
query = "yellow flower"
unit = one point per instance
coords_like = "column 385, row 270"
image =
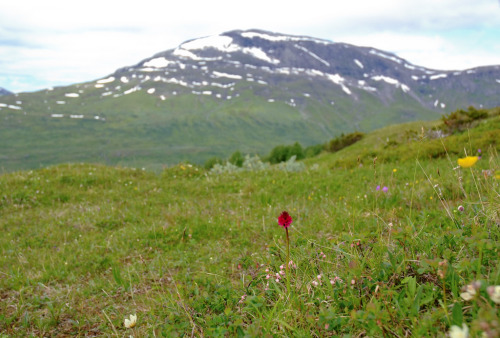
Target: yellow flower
column 468, row 161
column 394, row 170
column 130, row 323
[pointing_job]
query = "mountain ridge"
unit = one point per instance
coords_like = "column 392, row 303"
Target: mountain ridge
column 245, row 90
column 243, row 42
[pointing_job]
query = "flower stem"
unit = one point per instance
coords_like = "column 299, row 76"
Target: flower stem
column 445, row 307
column 287, row 263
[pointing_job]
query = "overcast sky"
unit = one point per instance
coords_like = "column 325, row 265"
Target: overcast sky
column 46, row 43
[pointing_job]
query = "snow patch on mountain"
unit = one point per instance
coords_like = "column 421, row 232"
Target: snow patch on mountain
column 326, row 63
column 148, row 69
column 222, row 43
column 442, row 105
column 131, row 90
column 357, row 62
column 260, row 54
column 285, row 71
column 391, row 81
column 387, row 79
column 385, row 56
column 269, row 37
column 178, row 82
column 220, row 85
column 438, row 76
column 278, row 38
column 362, row 84
column 160, row 62
column 219, row 42
column 186, row 54
column 337, row 79
column 106, row 80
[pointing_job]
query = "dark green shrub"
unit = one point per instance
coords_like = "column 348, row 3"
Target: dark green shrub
column 237, row 159
column 343, row 141
column 315, row 150
column 209, row 164
column 283, row 153
column 297, row 150
column 461, row 120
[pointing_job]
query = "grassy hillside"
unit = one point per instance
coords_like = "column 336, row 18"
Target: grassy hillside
column 201, row 254
column 143, row 130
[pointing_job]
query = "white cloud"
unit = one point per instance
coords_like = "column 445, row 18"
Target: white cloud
column 431, row 51
column 61, row 42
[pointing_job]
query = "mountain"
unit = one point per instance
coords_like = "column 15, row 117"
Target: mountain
column 240, row 90
column 4, row 92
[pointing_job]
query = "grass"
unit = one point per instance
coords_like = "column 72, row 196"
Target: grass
column 85, row 245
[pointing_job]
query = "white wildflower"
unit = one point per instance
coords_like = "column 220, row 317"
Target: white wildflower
column 457, row 332
column 130, row 323
column 494, row 292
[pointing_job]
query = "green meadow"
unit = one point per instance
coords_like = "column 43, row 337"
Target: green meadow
column 390, row 237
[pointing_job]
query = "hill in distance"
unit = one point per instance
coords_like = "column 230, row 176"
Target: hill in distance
column 240, row 90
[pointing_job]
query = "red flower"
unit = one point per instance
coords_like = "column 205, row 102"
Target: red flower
column 284, row 220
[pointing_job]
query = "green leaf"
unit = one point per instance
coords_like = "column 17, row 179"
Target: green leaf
column 117, row 275
column 412, row 285
column 416, row 301
column 456, row 315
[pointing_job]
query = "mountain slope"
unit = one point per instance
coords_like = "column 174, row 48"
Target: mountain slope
column 246, row 90
column 4, row 92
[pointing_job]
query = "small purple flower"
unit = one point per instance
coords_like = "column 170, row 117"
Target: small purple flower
column 461, row 208
column 385, row 189
column 479, row 151
column 378, row 187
